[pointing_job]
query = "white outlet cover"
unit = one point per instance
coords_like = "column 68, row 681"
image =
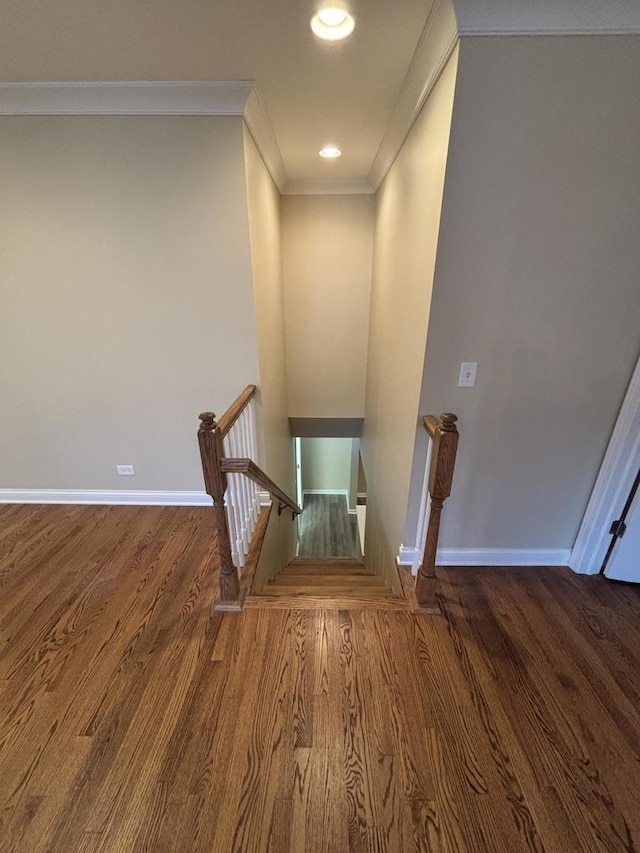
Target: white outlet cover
column 126, row 470
column 468, row 372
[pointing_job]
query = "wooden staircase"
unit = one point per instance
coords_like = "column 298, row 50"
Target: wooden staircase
column 333, row 583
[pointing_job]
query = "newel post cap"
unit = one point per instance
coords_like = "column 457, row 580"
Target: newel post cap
column 208, row 421
column 448, row 422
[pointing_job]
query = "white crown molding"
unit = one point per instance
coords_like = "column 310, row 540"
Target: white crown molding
column 82, row 496
column 436, row 44
column 261, row 129
column 480, row 31
column 125, row 98
column 613, row 484
column 488, row 557
column 337, row 187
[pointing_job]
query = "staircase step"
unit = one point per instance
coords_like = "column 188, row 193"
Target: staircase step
column 317, row 569
column 335, row 591
column 326, row 578
column 339, row 589
column 330, row 583
column 363, row 601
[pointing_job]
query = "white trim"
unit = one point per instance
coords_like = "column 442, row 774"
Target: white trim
column 613, row 484
column 436, row 44
column 125, row 98
column 82, row 496
column 487, row 557
column 549, row 31
column 346, row 187
column 407, row 556
column 344, row 492
column 264, row 498
column 502, row 557
column 261, row 129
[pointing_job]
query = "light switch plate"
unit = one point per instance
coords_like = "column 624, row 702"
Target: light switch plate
column 468, row 371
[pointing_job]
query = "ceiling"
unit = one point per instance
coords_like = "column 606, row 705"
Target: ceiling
column 361, row 94
column 312, row 92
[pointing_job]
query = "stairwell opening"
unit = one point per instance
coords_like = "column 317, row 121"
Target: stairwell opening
column 329, row 481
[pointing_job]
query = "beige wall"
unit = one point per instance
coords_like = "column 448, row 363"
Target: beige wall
column 263, row 206
column 327, row 254
column 408, row 218
column 326, row 464
column 126, row 296
column 537, row 280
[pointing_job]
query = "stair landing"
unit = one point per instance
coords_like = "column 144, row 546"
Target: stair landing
column 329, row 584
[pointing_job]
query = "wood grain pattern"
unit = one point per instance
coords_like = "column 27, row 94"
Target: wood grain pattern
column 236, row 409
column 132, row 717
column 443, row 459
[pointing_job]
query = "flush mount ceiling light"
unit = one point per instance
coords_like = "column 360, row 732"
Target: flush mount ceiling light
column 332, row 22
column 330, row 152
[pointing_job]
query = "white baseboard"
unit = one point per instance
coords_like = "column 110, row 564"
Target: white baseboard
column 344, row 492
column 407, row 556
column 488, row 557
column 81, row 496
column 264, row 498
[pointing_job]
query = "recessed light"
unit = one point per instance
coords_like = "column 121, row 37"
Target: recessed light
column 330, row 152
column 332, row 22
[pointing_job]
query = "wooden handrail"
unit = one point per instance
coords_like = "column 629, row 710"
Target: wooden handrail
column 249, row 468
column 215, row 467
column 236, row 409
column 444, row 434
column 431, row 425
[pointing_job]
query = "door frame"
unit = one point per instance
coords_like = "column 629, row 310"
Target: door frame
column 613, row 484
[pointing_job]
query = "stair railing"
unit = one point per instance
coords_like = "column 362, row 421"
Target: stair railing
column 444, row 436
column 227, row 450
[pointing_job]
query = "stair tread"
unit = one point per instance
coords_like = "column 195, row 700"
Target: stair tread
column 318, row 602
column 323, row 561
column 327, row 592
column 328, row 577
column 320, row 569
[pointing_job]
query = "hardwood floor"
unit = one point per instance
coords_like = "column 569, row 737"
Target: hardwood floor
column 327, row 529
column 132, row 718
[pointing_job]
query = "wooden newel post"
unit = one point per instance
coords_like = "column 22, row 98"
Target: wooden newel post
column 443, row 458
column 215, row 481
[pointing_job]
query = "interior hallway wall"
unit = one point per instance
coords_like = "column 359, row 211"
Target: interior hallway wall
column 326, row 464
column 537, row 281
column 407, row 224
column 126, row 296
column 327, row 257
column 263, row 209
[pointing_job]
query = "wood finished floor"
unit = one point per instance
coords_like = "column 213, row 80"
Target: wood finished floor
column 327, row 529
column 131, row 718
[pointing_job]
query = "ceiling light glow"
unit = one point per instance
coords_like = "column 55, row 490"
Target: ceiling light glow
column 330, row 152
column 332, row 22
column 332, row 16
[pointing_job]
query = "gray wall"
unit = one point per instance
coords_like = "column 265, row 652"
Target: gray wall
column 126, row 296
column 406, row 236
column 537, row 279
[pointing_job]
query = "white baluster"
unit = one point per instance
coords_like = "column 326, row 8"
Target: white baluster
column 236, row 447
column 231, row 502
column 246, row 446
